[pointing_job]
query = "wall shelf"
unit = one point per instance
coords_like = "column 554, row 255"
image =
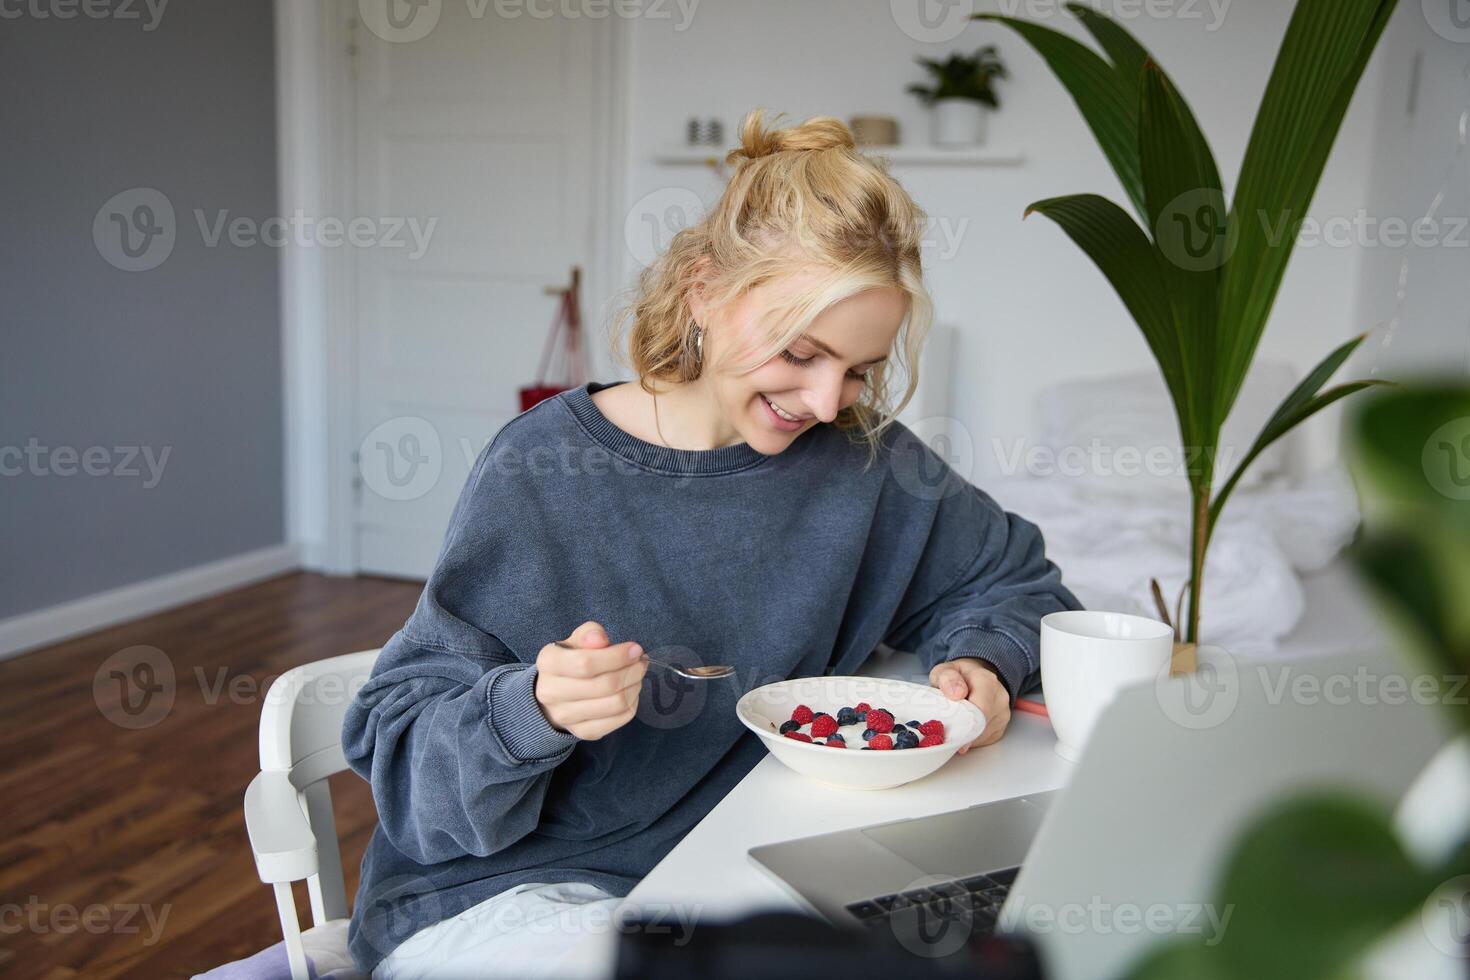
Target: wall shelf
column 980, row 156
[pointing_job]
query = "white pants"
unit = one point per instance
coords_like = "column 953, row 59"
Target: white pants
column 529, row 931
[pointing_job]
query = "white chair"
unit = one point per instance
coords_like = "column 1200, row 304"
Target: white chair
column 288, row 805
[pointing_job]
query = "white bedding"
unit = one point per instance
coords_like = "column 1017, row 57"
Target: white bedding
column 1109, row 543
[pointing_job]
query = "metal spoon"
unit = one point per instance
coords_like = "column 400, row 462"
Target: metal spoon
column 709, row 673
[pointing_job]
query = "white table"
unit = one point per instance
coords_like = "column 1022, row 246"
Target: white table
column 709, row 874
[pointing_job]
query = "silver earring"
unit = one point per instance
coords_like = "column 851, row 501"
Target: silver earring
column 698, row 344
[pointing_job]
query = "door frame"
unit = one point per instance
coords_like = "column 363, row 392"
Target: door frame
column 316, row 153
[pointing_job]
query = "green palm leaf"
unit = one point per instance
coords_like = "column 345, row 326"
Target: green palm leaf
column 1322, row 57
column 1200, row 278
column 1109, row 108
column 1181, row 183
column 1126, row 258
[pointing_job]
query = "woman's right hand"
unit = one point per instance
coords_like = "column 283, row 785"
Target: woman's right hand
column 587, row 686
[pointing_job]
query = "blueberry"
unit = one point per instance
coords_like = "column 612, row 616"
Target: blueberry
column 867, row 748
column 868, row 733
column 846, row 716
column 862, row 715
column 789, row 726
column 912, row 724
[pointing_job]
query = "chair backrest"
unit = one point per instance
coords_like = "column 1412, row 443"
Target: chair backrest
column 301, row 735
column 301, row 721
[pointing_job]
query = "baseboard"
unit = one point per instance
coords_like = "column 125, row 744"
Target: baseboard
column 19, row 634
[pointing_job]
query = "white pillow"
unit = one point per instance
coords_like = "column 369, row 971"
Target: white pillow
column 1119, row 432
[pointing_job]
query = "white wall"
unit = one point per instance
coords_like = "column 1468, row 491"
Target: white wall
column 1418, row 153
column 1029, row 307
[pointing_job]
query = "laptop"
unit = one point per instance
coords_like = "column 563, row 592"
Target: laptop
column 1125, row 855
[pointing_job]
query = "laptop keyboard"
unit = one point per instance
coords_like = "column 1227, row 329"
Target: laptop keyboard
column 976, row 899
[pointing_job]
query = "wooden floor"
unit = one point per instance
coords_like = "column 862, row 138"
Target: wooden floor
column 103, row 826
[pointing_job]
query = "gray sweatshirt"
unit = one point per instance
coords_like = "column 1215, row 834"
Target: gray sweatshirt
column 791, row 565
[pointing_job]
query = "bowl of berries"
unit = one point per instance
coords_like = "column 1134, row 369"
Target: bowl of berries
column 859, row 732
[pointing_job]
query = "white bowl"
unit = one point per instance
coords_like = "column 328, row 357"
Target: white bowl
column 765, row 708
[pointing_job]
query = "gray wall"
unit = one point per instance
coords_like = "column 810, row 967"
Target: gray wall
column 183, row 358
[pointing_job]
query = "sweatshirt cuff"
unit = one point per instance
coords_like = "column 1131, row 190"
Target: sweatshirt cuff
column 517, row 719
column 1008, row 656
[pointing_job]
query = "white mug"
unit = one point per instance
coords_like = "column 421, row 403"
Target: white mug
column 1086, row 657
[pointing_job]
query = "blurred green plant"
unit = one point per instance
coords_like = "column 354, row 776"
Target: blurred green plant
column 963, row 77
column 1320, row 878
column 1198, row 279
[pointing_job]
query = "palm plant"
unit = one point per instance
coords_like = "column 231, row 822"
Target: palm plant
column 1320, row 876
column 1199, row 279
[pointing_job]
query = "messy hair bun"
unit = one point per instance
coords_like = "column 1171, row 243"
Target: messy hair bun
column 799, row 200
column 817, row 133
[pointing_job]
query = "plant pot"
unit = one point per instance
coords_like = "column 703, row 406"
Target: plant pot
column 959, row 122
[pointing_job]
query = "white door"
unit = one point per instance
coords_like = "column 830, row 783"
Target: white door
column 478, row 139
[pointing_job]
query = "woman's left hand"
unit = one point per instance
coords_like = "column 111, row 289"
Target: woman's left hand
column 975, row 680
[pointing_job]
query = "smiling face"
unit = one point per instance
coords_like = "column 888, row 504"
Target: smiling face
column 818, row 375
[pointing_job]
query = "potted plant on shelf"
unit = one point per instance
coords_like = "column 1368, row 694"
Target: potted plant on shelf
column 961, row 96
column 1198, row 277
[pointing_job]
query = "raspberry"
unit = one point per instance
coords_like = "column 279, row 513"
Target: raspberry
column 799, row 736
column 880, row 742
column 802, row 715
column 932, row 727
column 862, row 708
column 880, row 720
column 929, row 740
column 835, row 742
column 823, row 725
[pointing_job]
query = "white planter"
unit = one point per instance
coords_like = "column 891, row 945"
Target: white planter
column 959, row 122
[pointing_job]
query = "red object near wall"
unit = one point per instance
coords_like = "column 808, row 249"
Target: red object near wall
column 566, row 327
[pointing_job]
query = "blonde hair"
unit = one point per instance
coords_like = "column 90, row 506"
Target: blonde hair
column 801, row 199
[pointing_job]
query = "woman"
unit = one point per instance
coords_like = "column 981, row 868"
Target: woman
column 749, row 501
